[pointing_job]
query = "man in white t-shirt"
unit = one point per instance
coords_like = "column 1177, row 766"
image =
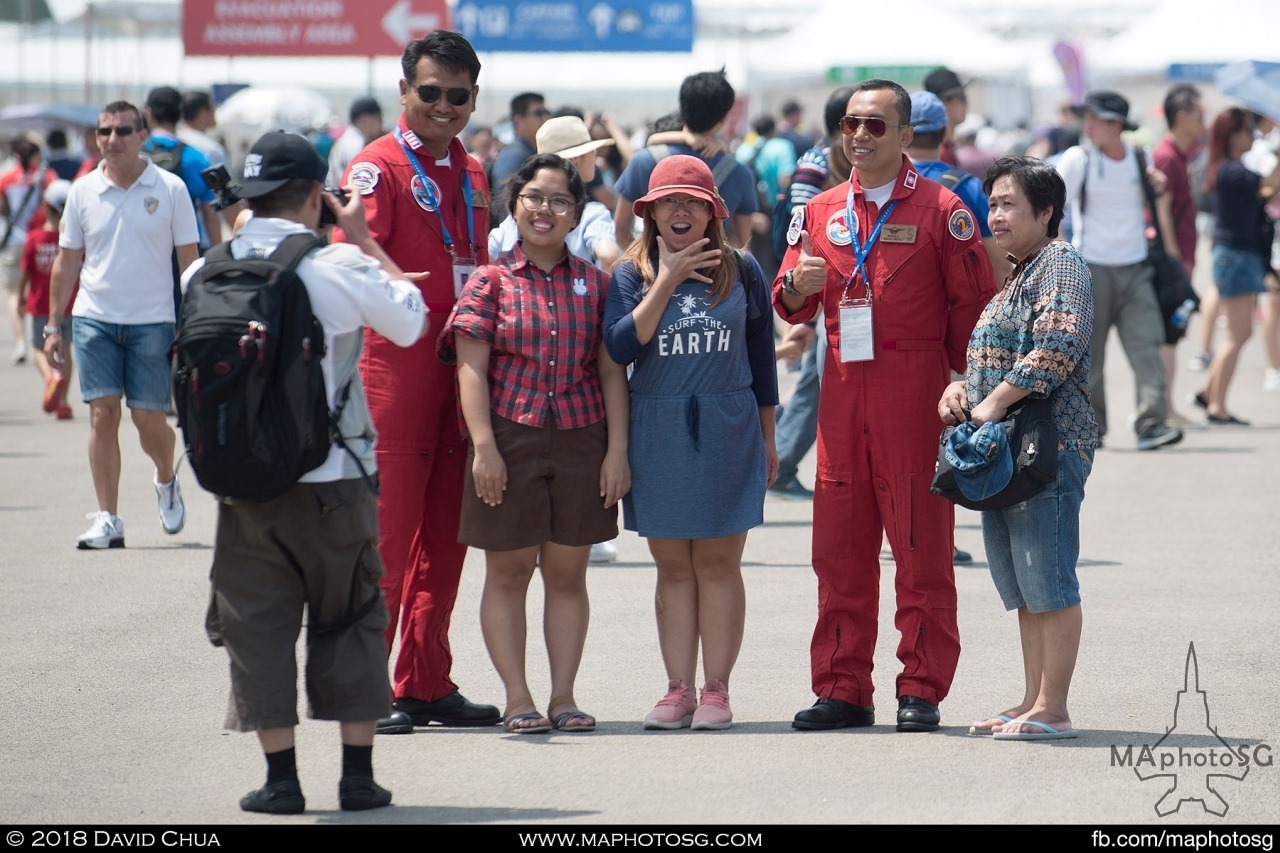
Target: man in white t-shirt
column 1104, row 189
column 122, row 223
column 316, row 544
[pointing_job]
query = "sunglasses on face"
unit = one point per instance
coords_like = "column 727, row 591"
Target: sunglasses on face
column 121, row 131
column 534, row 202
column 539, row 112
column 430, row 94
column 875, row 126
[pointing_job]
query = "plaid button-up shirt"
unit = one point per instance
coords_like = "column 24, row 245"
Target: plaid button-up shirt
column 544, row 330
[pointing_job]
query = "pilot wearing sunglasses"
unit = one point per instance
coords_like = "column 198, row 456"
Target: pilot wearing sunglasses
column 427, row 204
column 897, row 265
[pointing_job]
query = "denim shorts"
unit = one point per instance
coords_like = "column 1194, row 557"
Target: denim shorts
column 1237, row 272
column 1032, row 548
column 119, row 360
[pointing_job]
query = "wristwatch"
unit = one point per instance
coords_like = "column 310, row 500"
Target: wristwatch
column 52, row 330
column 789, row 284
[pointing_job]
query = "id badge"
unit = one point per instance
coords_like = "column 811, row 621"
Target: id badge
column 856, row 342
column 462, row 270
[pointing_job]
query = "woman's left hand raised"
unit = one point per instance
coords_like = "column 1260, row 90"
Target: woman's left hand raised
column 688, row 262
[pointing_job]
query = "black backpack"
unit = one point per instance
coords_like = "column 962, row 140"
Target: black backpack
column 247, row 381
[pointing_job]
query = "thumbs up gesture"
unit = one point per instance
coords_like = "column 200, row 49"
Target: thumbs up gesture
column 810, row 272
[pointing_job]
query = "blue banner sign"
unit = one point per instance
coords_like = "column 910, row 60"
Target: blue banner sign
column 575, row 26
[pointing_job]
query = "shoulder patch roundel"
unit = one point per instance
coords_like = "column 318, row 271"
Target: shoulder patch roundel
column 961, row 225
column 796, row 226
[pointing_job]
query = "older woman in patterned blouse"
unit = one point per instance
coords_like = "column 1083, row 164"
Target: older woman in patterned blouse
column 1033, row 339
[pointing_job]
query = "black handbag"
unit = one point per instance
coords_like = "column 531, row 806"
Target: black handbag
column 1033, row 443
column 1172, row 284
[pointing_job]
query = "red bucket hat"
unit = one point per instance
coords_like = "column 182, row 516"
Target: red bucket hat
column 680, row 174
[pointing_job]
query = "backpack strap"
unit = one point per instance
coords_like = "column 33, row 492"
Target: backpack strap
column 953, row 177
column 723, row 169
column 293, row 249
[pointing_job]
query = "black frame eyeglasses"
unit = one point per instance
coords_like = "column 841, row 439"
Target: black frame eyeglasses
column 533, row 202
column 120, row 130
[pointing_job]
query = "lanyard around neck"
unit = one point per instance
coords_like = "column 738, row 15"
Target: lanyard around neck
column 862, row 250
column 435, row 201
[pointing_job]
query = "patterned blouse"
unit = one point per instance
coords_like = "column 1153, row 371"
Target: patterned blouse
column 1035, row 334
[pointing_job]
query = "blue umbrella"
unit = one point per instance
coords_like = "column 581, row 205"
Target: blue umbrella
column 1253, row 83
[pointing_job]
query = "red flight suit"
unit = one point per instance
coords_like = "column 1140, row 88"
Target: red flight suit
column 878, row 430
column 413, row 399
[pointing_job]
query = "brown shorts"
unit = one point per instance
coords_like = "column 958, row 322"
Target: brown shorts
column 553, row 490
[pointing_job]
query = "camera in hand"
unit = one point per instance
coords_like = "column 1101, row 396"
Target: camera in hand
column 218, row 179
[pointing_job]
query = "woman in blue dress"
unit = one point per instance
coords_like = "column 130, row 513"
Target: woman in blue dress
column 694, row 317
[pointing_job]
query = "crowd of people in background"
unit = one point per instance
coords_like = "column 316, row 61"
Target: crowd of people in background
column 606, row 309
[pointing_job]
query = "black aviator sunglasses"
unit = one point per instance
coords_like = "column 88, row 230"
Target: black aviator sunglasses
column 430, row 94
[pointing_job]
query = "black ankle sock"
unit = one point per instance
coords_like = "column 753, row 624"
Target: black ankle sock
column 357, row 760
column 282, row 765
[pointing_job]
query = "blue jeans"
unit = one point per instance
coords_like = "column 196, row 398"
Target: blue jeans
column 798, row 424
column 1032, row 548
column 121, row 360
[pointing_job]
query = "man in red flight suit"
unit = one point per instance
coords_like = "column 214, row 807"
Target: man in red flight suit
column 897, row 325
column 426, row 202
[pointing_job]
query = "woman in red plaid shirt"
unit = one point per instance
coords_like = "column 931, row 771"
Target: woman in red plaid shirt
column 546, row 414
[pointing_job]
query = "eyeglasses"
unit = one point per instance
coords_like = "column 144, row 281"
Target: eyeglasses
column 430, row 94
column 875, row 126
column 671, row 204
column 534, row 202
column 120, row 130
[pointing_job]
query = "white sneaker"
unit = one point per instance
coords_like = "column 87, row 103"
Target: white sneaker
column 107, row 531
column 1200, row 361
column 19, row 353
column 1271, row 380
column 173, row 513
column 603, row 552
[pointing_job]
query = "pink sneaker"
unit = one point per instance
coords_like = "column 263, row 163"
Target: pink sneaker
column 673, row 711
column 713, row 711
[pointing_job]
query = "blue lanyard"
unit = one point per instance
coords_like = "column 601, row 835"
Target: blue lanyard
column 435, row 202
column 862, row 250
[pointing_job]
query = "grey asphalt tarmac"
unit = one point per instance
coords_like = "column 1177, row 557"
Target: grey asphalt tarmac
column 113, row 700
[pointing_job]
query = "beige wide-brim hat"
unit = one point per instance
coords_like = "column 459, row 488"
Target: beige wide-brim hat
column 567, row 136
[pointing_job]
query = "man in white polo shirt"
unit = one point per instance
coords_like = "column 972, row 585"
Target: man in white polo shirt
column 121, row 225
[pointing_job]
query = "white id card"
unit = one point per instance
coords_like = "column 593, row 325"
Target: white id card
column 856, row 342
column 461, row 272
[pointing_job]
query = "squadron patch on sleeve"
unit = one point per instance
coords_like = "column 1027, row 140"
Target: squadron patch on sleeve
column 796, row 226
column 364, row 177
column 961, row 225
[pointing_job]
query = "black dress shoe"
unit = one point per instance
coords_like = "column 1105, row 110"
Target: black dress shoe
column 399, row 723
column 281, row 797
column 917, row 715
column 361, row 793
column 452, row 710
column 834, row 714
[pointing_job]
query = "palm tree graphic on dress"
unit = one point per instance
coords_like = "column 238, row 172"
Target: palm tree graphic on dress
column 1191, row 718
column 688, row 303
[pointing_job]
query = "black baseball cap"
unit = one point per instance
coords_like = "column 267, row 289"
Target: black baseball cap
column 1108, row 106
column 944, row 83
column 277, row 158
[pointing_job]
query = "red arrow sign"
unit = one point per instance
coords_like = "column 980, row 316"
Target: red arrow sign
column 307, row 27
